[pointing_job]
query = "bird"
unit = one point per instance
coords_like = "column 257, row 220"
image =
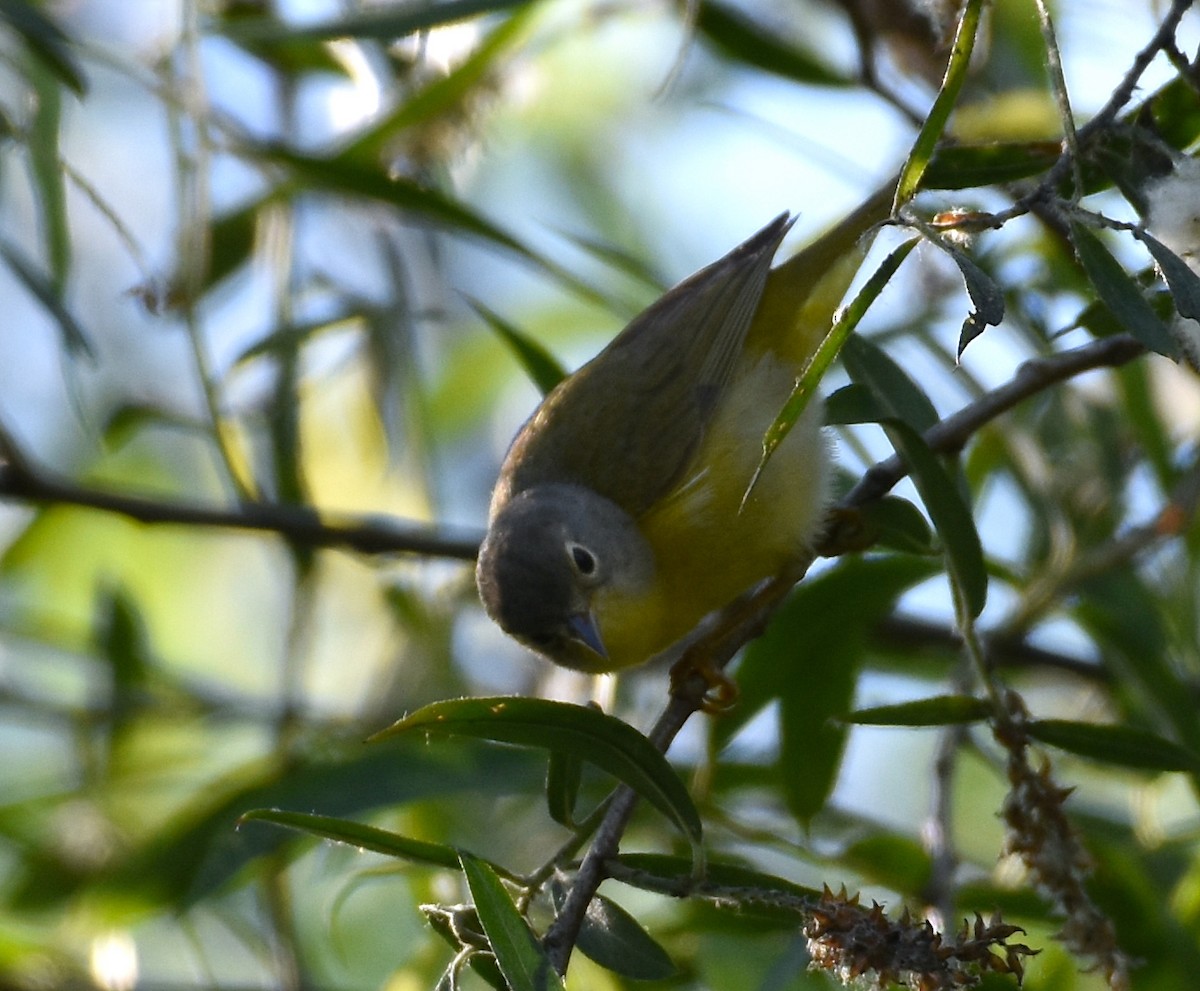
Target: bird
column 624, row 513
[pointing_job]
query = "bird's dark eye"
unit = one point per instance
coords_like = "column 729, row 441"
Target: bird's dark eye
column 585, row 560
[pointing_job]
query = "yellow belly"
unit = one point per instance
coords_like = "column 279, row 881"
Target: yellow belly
column 707, row 549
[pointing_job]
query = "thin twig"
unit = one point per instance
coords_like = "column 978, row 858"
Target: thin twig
column 1032, row 377
column 301, row 524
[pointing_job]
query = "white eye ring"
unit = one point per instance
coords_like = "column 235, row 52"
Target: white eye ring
column 582, row 558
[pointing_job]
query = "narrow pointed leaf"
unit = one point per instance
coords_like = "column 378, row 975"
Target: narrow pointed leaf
column 939, row 115
column 41, row 287
column 1183, row 282
column 843, row 326
column 1118, row 291
column 985, row 295
column 386, row 23
column 563, row 776
column 1111, row 744
column 590, row 735
column 357, row 835
column 944, row 501
column 524, row 966
column 942, row 710
column 972, row 166
column 738, row 37
column 539, row 364
column 46, row 40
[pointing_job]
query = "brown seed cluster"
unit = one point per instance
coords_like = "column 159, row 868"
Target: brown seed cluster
column 858, row 943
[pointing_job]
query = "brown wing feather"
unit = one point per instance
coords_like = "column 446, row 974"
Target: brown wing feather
column 628, row 423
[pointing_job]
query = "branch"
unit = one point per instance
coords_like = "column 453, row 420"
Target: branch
column 1034, row 376
column 302, row 524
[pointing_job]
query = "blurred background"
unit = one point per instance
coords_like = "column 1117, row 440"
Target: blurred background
column 267, row 250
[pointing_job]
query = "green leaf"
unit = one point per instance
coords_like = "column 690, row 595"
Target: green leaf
column 852, row 403
column 843, row 326
column 524, row 965
column 539, row 364
column 231, row 240
column 1183, row 282
column 986, row 297
column 1125, row 746
column 737, row 37
column 577, row 730
column 46, row 40
column 940, row 710
column 73, row 335
column 346, row 176
column 1118, row 291
column 49, row 179
column 809, row 660
column 972, row 166
column 386, row 23
column 563, row 777
column 357, row 835
column 895, row 523
column 898, row 862
column 906, row 407
column 939, row 115
column 614, row 939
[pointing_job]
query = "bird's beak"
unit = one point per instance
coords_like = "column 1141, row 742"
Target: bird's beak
column 583, row 628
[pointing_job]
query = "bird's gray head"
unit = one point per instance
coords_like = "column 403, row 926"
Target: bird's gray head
column 548, row 552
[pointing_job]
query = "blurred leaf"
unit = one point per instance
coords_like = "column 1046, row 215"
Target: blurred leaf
column 521, row 959
column 1183, row 282
column 539, row 364
column 809, row 659
column 563, row 777
column 444, row 96
column 972, row 166
column 231, row 239
column 47, row 41
column 941, row 710
column 586, row 733
column 898, row 862
column 381, row 24
column 1115, row 744
column 348, row 177
column 737, row 37
column 852, row 403
column 614, row 939
column 198, row 849
column 930, row 135
column 897, row 524
column 843, row 326
column 1118, row 291
column 49, row 179
column 73, row 335
column 357, row 835
column 910, row 411
column 666, row 872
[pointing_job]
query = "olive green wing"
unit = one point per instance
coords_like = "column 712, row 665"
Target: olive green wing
column 629, row 422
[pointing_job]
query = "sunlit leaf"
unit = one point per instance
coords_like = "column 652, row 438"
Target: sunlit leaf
column 591, row 735
column 935, row 123
column 941, row 710
column 843, row 326
column 359, row 836
column 1120, row 293
column 521, row 960
column 1126, row 746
